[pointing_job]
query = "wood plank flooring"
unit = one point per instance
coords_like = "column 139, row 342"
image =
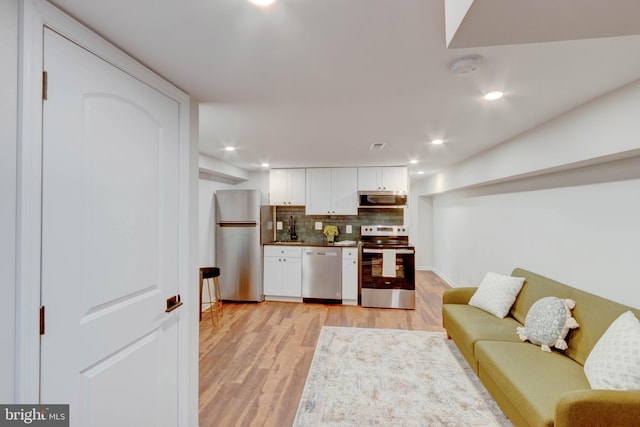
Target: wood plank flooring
column 254, row 364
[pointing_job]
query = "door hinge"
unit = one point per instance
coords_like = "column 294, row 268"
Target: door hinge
column 42, row 320
column 44, row 85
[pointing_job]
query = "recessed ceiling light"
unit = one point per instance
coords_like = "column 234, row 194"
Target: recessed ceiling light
column 229, row 148
column 437, row 142
column 413, row 162
column 492, row 96
column 262, row 3
column 265, row 165
column 420, row 172
column 377, row 146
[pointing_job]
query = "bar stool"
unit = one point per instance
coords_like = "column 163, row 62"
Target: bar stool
column 215, row 303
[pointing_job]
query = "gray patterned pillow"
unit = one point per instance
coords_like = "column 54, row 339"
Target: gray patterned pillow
column 548, row 322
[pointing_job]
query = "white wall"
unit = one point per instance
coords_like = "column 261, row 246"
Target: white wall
column 206, row 218
column 8, row 146
column 419, row 218
column 603, row 129
column 562, row 200
column 587, row 236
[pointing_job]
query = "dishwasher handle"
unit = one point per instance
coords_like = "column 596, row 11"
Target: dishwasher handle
column 321, row 253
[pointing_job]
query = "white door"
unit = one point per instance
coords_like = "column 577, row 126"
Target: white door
column 292, row 277
column 297, row 184
column 344, row 191
column 109, row 243
column 394, row 178
column 318, row 191
column 278, row 187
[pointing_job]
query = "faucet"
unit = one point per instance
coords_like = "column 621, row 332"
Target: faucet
column 292, row 229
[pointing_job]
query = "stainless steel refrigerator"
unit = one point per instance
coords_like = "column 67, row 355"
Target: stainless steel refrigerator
column 241, row 229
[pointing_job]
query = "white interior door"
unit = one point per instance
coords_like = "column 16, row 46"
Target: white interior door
column 110, row 231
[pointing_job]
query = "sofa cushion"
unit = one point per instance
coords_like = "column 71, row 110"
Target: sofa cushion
column 591, row 327
column 535, row 287
column 497, row 293
column 614, row 362
column 466, row 325
column 548, row 323
column 528, row 379
column 594, row 314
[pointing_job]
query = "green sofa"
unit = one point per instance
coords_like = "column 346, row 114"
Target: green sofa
column 533, row 387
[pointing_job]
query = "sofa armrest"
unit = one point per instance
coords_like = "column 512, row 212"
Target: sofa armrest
column 585, row 408
column 458, row 295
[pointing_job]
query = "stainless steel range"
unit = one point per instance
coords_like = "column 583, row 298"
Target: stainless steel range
column 388, row 267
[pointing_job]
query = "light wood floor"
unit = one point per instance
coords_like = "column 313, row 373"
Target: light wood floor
column 254, row 364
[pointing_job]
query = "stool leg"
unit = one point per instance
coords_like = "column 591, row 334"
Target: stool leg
column 216, row 287
column 211, row 306
column 201, row 283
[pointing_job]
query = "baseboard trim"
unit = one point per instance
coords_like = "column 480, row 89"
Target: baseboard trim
column 439, row 273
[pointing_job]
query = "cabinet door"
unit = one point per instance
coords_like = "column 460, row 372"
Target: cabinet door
column 344, row 191
column 272, row 275
column 394, row 179
column 291, row 277
column 318, row 191
column 278, row 187
column 369, row 179
column 350, row 275
column 296, row 186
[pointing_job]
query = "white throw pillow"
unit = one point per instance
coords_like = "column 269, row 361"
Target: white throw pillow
column 548, row 322
column 497, row 293
column 614, row 362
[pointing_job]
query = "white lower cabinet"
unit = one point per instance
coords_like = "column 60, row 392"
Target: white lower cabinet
column 282, row 273
column 350, row 269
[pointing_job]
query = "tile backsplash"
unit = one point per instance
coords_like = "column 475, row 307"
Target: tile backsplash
column 305, row 223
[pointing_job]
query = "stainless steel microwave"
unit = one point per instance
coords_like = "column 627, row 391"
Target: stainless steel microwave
column 382, row 199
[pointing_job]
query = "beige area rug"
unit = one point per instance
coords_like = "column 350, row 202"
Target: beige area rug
column 387, row 377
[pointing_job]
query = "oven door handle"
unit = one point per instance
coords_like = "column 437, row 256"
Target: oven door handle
column 379, row 251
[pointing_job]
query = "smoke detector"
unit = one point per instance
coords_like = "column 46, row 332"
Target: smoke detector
column 466, row 65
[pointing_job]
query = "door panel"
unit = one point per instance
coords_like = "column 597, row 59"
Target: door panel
column 122, row 211
column 110, row 236
column 239, row 258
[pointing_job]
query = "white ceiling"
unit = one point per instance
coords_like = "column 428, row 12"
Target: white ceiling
column 316, row 82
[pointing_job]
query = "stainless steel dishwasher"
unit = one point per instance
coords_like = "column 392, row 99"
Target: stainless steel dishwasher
column 321, row 273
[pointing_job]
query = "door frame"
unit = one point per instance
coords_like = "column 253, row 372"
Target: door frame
column 35, row 15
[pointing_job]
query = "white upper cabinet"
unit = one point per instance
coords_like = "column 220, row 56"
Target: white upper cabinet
column 287, row 187
column 332, row 191
column 383, row 179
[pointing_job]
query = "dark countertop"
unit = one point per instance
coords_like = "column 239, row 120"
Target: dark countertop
column 302, row 243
